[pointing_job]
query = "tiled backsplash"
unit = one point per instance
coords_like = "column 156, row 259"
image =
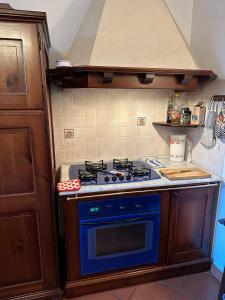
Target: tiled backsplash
column 210, row 159
column 105, row 123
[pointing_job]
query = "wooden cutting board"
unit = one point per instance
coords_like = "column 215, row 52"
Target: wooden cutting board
column 184, row 173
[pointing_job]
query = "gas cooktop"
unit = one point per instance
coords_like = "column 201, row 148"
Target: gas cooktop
column 117, row 171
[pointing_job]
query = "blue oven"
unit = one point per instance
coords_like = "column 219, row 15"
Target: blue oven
column 119, row 233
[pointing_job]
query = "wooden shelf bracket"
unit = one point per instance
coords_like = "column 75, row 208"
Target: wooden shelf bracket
column 184, row 79
column 148, row 78
column 107, row 77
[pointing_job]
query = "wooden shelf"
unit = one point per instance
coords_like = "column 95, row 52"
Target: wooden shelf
column 175, row 125
column 129, row 78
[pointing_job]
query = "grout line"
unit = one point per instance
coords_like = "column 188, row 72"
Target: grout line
column 116, row 297
column 180, row 290
column 132, row 293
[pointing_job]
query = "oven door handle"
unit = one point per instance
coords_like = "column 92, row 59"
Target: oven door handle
column 117, row 221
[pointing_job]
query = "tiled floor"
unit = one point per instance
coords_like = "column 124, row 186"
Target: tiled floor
column 203, row 286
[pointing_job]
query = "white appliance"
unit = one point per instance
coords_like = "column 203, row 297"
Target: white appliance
column 177, row 147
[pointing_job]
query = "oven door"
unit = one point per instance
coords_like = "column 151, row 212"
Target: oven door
column 118, row 242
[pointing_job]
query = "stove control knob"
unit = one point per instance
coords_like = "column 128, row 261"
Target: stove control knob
column 107, row 179
column 121, row 178
column 114, row 178
column 128, row 177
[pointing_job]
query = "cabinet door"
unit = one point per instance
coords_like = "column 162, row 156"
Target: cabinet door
column 20, row 71
column 27, row 243
column 192, row 214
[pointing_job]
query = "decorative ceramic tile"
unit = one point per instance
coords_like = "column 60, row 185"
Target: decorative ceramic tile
column 141, row 121
column 68, row 133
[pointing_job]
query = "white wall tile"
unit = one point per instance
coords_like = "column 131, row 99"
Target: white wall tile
column 105, row 123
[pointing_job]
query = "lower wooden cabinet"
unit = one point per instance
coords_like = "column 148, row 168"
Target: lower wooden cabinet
column 28, row 260
column 192, row 213
column 186, row 235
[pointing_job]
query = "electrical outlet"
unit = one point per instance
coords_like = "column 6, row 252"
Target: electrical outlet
column 141, row 121
column 68, row 133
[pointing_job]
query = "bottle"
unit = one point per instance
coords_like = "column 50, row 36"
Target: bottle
column 176, row 113
column 170, row 108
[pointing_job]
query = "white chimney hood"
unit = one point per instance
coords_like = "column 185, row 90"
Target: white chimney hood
column 130, row 33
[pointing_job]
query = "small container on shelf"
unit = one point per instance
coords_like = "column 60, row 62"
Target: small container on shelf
column 198, row 114
column 176, row 115
column 185, row 116
column 174, row 110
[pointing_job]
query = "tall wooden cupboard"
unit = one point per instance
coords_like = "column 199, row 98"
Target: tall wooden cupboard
column 28, row 255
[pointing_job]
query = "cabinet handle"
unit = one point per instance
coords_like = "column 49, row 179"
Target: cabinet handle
column 143, row 191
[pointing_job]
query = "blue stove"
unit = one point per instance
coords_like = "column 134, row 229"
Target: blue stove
column 117, row 171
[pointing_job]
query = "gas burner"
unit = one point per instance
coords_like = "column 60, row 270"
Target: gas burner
column 140, row 172
column 118, row 171
column 87, row 176
column 122, row 164
column 95, row 166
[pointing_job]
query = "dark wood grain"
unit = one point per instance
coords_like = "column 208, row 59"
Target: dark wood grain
column 27, row 130
column 133, row 277
column 7, row 13
column 20, row 256
column 19, row 65
column 28, row 253
column 128, row 78
column 192, row 214
column 176, row 125
column 134, row 70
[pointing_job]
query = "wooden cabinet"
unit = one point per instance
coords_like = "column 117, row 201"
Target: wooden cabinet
column 186, row 234
column 19, row 66
column 28, row 255
column 192, row 213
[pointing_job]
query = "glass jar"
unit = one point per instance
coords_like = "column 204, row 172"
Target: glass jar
column 176, row 114
column 185, row 116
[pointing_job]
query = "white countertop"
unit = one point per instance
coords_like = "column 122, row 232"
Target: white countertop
column 156, row 183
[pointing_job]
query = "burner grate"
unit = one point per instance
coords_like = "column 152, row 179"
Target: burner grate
column 95, row 166
column 122, row 164
column 140, row 172
column 87, row 176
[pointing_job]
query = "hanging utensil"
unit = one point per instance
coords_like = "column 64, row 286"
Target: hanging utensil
column 211, row 114
column 220, row 123
column 209, row 140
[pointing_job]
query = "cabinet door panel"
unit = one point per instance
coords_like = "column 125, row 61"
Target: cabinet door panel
column 26, row 207
column 20, row 71
column 16, row 161
column 19, row 249
column 12, row 73
column 191, row 218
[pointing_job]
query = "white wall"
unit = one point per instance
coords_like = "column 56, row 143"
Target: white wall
column 182, row 13
column 64, row 19
column 208, row 34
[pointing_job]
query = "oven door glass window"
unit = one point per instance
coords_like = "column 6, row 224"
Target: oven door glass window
column 111, row 240
column 120, row 242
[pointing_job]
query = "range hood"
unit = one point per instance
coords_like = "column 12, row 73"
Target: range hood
column 130, row 44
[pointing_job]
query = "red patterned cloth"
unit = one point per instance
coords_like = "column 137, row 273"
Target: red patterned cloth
column 69, row 185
